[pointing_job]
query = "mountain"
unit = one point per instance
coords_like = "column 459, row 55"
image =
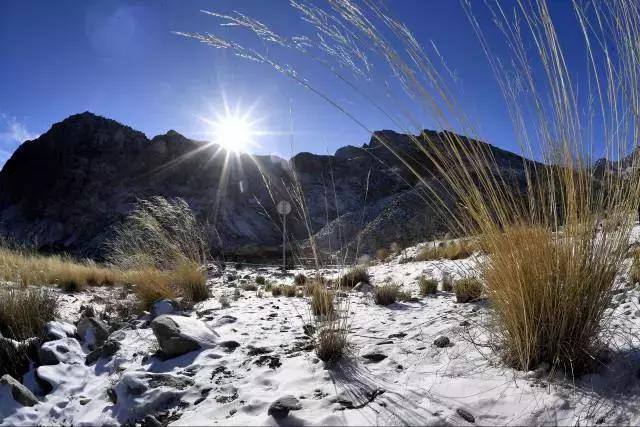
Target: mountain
column 65, row 190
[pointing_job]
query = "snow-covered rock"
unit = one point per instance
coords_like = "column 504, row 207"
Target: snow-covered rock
column 164, row 306
column 56, row 330
column 178, row 335
column 92, row 332
column 18, row 392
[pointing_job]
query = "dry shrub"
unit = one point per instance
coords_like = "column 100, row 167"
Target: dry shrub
column 250, row 287
column 322, row 299
column 427, row 286
column 260, row 280
column 300, row 279
column 190, row 280
column 457, row 249
column 25, row 311
column 353, row 277
column 467, row 290
column 386, row 294
column 447, row 282
column 382, row 254
column 151, row 285
column 276, row 291
column 331, row 343
column 289, row 291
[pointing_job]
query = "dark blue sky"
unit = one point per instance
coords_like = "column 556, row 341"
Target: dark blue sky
column 119, row 59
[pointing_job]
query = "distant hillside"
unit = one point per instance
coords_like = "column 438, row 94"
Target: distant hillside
column 65, row 190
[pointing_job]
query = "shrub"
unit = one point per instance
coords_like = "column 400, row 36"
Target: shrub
column 457, row 249
column 25, row 311
column 300, row 279
column 331, row 343
column 322, row 299
column 353, row 277
column 467, row 290
column 260, row 280
column 404, row 296
column 191, row 282
column 289, row 290
column 150, row 285
column 276, row 291
column 427, row 286
column 386, row 294
column 249, row 287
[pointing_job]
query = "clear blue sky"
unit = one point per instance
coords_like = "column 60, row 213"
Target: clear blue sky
column 120, row 59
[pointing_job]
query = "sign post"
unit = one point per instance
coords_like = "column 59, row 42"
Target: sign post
column 284, row 209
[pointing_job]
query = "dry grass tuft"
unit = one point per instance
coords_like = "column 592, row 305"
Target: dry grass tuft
column 289, row 291
column 467, row 290
column 457, row 249
column 386, row 294
column 25, row 311
column 447, row 282
column 427, row 286
column 353, row 277
column 260, row 280
column 190, row 280
column 276, row 291
column 331, row 343
column 300, row 279
column 322, row 300
column 250, row 287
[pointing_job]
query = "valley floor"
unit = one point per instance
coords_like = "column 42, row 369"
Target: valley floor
column 409, row 381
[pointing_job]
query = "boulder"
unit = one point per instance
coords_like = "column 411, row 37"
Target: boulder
column 59, row 351
column 57, row 330
column 280, row 408
column 178, row 335
column 20, row 393
column 92, row 332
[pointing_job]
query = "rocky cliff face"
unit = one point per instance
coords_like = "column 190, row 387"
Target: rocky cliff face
column 65, row 190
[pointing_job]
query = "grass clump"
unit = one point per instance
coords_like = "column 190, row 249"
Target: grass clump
column 300, row 279
column 353, row 277
column 427, row 286
column 276, row 291
column 289, row 291
column 250, row 287
column 260, row 280
column 467, row 290
column 447, row 282
column 386, row 294
column 331, row 343
column 453, row 250
column 191, row 282
column 322, row 300
column 25, row 311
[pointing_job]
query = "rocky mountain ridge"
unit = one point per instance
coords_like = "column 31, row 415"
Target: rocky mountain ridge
column 65, row 190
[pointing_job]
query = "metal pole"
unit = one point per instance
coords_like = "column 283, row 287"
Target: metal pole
column 284, row 242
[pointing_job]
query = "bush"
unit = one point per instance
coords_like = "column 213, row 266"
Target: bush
column 386, row 294
column 322, row 299
column 447, row 282
column 300, row 279
column 331, row 343
column 250, row 287
column 404, row 296
column 24, row 312
column 467, row 290
column 150, row 285
column 353, row 277
column 289, row 291
column 276, row 291
column 260, row 280
column 457, row 249
column 191, row 282
column 427, row 286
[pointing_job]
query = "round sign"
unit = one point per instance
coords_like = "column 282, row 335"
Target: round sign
column 284, row 207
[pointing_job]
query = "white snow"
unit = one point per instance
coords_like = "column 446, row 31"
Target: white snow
column 417, row 383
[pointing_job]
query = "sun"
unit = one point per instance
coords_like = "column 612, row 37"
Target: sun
column 234, row 133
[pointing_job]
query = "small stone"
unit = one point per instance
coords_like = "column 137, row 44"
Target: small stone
column 385, row 342
column 375, row 356
column 465, row 323
column 398, row 335
column 280, row 408
column 466, row 415
column 230, row 345
column 442, row 341
column 83, row 401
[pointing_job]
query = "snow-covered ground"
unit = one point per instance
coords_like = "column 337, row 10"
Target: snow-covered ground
column 411, row 382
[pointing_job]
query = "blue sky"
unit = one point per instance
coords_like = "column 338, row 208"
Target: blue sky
column 120, row 59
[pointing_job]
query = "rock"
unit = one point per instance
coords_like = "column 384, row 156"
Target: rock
column 20, row 393
column 363, row 287
column 229, row 346
column 442, row 341
column 92, row 332
column 375, row 356
column 280, row 408
column 65, row 350
column 398, row 335
column 465, row 323
column 164, row 306
column 178, row 335
column 107, row 350
column 466, row 415
column 57, row 330
column 151, row 421
column 226, row 319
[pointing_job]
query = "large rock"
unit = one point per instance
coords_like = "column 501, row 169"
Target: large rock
column 59, row 351
column 280, row 408
column 20, row 393
column 178, row 335
column 164, row 306
column 55, row 330
column 92, row 332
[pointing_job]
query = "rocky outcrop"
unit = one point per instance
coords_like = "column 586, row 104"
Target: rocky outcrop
column 65, row 190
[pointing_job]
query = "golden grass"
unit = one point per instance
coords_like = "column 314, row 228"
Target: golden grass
column 467, row 290
column 353, row 277
column 457, row 249
column 25, row 311
column 276, row 290
column 322, row 300
column 331, row 343
column 386, row 294
column 289, row 291
column 427, row 286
